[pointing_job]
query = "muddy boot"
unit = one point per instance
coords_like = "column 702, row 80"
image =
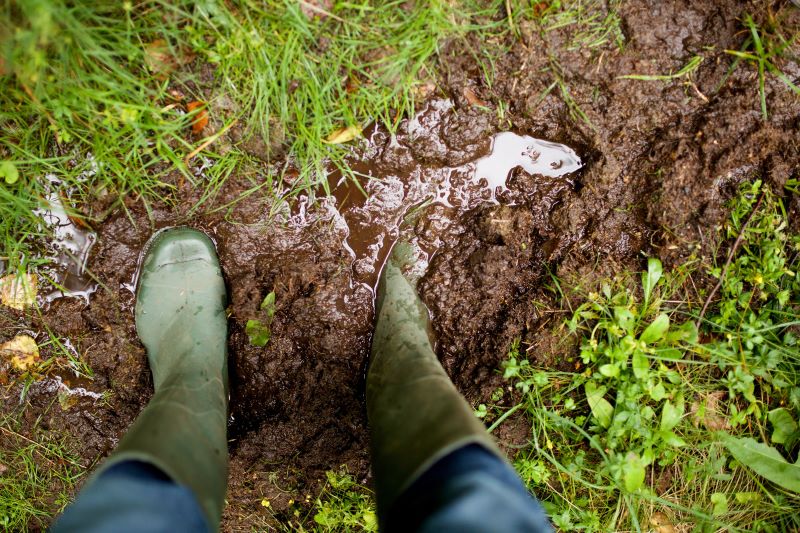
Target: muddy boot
column 416, row 415
column 180, row 319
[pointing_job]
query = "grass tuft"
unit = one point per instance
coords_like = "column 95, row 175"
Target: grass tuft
column 764, row 48
column 37, row 480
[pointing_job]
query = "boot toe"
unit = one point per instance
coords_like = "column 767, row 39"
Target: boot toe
column 180, row 285
column 179, row 246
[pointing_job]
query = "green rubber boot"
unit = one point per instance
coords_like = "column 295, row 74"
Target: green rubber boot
column 416, row 415
column 180, row 319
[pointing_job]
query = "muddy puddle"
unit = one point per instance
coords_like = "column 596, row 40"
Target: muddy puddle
column 322, row 255
column 67, row 253
column 392, row 195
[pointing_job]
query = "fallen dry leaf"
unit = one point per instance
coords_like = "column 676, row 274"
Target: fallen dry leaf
column 18, row 291
column 709, row 414
column 158, row 58
column 161, row 60
column 74, row 216
column 661, row 523
column 343, row 135
column 21, row 351
column 3, row 469
column 472, row 98
column 351, row 85
column 200, row 120
column 423, row 91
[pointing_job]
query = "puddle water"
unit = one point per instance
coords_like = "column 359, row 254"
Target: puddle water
column 534, row 156
column 413, row 185
column 65, row 388
column 69, row 248
column 420, row 202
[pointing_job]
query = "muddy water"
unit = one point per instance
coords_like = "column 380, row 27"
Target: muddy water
column 68, row 251
column 389, row 202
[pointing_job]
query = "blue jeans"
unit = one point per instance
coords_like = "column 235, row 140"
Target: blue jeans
column 133, row 497
column 469, row 490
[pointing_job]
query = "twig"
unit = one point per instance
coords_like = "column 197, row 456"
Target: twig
column 208, row 142
column 732, row 252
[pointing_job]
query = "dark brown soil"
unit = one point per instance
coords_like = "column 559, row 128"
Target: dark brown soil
column 661, row 158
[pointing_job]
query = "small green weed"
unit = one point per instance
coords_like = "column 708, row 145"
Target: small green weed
column 258, row 331
column 676, row 414
column 764, row 49
column 342, row 505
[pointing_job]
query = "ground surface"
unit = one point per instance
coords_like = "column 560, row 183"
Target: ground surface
column 660, row 159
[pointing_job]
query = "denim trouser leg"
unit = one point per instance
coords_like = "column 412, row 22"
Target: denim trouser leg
column 470, row 490
column 132, row 497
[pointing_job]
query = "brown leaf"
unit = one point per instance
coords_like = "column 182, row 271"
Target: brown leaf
column 159, row 58
column 472, row 98
column 200, row 120
column 343, row 135
column 18, row 291
column 539, row 8
column 423, row 91
column 77, row 218
column 708, row 413
column 162, row 60
column 352, row 84
column 661, row 523
column 21, row 351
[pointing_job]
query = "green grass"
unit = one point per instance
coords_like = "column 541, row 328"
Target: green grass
column 765, row 48
column 651, row 420
column 686, row 71
column 38, row 478
column 95, row 93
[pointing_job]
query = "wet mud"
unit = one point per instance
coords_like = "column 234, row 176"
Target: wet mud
column 493, row 203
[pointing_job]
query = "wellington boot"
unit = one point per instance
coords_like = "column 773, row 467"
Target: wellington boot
column 180, row 319
column 416, row 415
